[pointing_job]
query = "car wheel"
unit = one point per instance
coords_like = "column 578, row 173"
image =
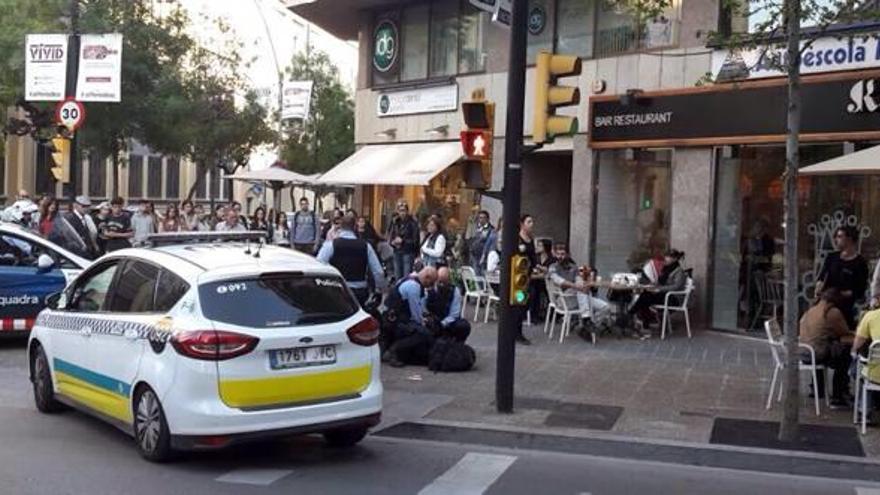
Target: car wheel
column 44, row 393
column 345, row 437
column 150, row 428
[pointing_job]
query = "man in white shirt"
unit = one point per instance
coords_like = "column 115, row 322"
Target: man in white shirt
column 232, row 222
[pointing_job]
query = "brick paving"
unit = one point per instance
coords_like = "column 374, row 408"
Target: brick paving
column 669, row 389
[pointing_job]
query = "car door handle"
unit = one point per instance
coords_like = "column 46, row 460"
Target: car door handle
column 86, row 331
column 131, row 334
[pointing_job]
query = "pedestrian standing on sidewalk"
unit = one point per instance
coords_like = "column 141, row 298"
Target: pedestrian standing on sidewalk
column 845, row 270
column 364, row 230
column 258, row 222
column 232, row 222
column 404, row 238
column 48, row 214
column 142, row 225
column 824, row 328
column 304, row 228
column 117, row 228
column 171, row 222
column 433, row 248
column 189, row 220
column 481, row 242
column 526, row 247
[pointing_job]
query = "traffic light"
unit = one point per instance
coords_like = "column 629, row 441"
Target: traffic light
column 519, row 280
column 61, row 157
column 476, row 141
column 549, row 96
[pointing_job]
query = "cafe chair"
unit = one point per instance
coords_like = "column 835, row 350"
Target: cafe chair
column 777, row 350
column 770, row 294
column 559, row 307
column 475, row 288
column 864, row 385
column 669, row 306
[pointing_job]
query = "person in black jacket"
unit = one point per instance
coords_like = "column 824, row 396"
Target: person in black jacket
column 355, row 259
column 673, row 278
column 404, row 238
column 847, row 271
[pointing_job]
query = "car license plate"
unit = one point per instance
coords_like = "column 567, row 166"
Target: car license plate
column 298, row 357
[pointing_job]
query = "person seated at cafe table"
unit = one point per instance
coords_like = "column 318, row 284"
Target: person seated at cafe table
column 824, row 328
column 566, row 275
column 672, row 279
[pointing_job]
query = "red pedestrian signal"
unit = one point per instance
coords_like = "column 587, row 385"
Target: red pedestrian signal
column 476, row 144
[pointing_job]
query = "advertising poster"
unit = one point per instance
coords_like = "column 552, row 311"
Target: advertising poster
column 45, row 68
column 100, row 68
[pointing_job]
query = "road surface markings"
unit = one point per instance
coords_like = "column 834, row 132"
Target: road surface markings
column 261, row 477
column 472, row 475
column 867, row 491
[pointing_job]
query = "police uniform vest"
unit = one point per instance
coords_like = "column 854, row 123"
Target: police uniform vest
column 440, row 300
column 395, row 302
column 350, row 258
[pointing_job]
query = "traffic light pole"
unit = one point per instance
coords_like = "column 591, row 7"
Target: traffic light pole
column 70, row 92
column 510, row 320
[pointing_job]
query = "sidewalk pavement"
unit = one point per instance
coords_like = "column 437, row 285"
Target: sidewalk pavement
column 654, row 389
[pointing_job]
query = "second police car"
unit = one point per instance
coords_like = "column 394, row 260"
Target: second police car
column 197, row 346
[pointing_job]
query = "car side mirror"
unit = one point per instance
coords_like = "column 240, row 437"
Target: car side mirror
column 45, row 263
column 56, row 300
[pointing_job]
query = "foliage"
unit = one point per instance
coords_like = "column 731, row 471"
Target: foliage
column 327, row 136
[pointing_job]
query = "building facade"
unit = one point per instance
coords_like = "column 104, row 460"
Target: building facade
column 661, row 159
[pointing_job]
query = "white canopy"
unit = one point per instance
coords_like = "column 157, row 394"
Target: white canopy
column 278, row 174
column 864, row 162
column 409, row 164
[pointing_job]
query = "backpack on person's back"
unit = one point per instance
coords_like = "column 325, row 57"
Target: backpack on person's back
column 448, row 355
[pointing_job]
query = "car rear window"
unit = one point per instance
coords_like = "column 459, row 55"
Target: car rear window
column 277, row 300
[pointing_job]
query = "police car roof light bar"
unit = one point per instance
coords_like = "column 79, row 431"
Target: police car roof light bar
column 169, row 238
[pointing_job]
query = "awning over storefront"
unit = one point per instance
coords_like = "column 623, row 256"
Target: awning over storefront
column 865, row 162
column 274, row 174
column 412, row 164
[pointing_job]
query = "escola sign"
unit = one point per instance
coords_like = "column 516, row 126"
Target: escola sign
column 385, row 46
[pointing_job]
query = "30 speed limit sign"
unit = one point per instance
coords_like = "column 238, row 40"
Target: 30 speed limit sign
column 70, row 113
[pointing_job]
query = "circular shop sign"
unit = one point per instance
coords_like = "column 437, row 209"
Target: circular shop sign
column 385, row 46
column 537, row 20
column 384, row 104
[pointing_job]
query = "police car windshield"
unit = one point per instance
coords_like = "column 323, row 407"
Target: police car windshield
column 277, row 300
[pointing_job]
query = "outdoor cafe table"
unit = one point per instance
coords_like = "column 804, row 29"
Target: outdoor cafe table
column 620, row 303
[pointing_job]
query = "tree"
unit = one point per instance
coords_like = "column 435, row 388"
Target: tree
column 327, row 136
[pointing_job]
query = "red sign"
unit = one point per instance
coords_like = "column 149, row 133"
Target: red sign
column 70, row 113
column 477, row 144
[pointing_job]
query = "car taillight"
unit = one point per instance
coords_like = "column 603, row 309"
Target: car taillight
column 213, row 345
column 365, row 333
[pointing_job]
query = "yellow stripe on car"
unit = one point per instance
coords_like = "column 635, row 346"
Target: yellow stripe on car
column 293, row 389
column 99, row 399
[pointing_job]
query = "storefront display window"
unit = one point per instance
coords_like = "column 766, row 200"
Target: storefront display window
column 634, row 197
column 749, row 231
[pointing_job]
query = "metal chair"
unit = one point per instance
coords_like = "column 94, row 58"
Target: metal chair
column 777, row 349
column 669, row 306
column 561, row 307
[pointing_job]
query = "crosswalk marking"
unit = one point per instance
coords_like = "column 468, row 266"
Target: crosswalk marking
column 472, row 475
column 260, row 477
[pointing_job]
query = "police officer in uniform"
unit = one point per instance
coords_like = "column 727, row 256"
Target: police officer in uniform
column 355, row 259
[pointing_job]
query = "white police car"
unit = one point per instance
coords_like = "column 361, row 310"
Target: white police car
column 197, row 346
column 31, row 269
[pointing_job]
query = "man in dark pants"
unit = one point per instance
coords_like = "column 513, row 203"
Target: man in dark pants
column 847, row 271
column 76, row 231
column 304, row 228
column 407, row 340
column 444, row 309
column 404, row 238
column 355, row 259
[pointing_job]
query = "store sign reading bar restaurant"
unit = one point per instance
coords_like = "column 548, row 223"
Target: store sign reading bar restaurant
column 836, row 107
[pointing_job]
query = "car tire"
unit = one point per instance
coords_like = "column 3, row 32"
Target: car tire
column 151, row 432
column 345, row 437
column 44, row 391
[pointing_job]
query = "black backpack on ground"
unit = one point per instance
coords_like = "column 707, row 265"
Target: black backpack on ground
column 449, row 355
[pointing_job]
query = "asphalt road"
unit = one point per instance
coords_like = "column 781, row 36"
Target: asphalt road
column 71, row 453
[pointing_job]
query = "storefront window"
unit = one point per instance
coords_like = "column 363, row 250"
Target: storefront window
column 444, row 39
column 749, row 233
column 617, row 30
column 632, row 218
column 415, row 42
column 575, row 27
column 471, row 53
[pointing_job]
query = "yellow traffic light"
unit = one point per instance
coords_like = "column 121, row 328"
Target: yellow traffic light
column 548, row 96
column 519, row 280
column 61, row 157
column 476, row 141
